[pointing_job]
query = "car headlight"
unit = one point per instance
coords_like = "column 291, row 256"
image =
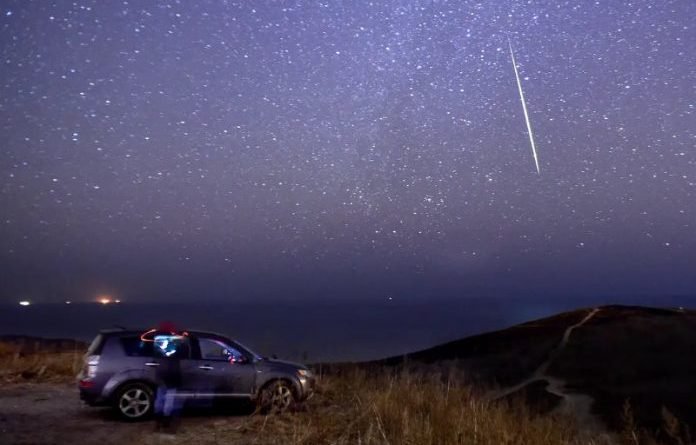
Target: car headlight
column 304, row 372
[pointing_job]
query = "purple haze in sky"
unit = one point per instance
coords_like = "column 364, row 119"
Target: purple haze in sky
column 303, row 151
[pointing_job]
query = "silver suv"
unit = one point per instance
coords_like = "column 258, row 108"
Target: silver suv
column 120, row 369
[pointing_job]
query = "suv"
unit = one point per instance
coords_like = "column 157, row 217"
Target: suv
column 120, row 369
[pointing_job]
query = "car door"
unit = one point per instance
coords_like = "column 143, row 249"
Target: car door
column 138, row 360
column 173, row 361
column 220, row 370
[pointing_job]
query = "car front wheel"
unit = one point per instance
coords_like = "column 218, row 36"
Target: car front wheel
column 135, row 401
column 276, row 397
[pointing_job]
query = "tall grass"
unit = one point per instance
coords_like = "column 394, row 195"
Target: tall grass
column 379, row 407
column 404, row 408
column 43, row 366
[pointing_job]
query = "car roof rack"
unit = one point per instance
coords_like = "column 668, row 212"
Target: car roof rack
column 206, row 332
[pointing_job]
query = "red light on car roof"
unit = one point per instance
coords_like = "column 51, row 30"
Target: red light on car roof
column 147, row 336
column 144, row 334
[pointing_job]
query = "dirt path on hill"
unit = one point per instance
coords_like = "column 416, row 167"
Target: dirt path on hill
column 49, row 413
column 578, row 405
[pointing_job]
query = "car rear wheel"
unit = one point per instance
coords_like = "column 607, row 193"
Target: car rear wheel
column 276, row 397
column 135, row 401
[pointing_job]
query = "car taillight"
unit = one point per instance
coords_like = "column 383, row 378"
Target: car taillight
column 91, row 364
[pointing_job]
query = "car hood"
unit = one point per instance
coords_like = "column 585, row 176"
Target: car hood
column 282, row 363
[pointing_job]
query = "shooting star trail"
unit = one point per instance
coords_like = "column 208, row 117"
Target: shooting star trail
column 524, row 108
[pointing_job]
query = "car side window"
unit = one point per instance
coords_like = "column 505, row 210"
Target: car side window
column 212, row 349
column 135, row 347
column 171, row 346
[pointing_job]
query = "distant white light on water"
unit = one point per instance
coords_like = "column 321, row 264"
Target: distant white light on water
column 24, row 303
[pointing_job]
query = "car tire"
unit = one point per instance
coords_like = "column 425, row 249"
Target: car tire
column 134, row 401
column 276, row 397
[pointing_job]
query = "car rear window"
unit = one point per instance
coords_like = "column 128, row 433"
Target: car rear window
column 96, row 346
column 135, row 347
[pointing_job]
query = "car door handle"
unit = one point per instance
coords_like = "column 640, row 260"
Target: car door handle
column 206, row 367
column 151, row 364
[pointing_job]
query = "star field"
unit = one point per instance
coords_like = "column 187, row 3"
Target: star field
column 218, row 149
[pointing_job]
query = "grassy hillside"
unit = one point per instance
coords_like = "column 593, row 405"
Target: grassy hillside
column 352, row 406
column 645, row 356
column 502, row 357
column 358, row 407
column 637, row 364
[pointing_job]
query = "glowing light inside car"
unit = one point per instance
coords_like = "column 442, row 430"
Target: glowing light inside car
column 147, row 335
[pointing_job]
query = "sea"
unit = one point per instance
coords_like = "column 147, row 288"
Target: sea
column 312, row 331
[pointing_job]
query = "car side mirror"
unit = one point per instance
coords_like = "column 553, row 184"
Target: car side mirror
column 241, row 360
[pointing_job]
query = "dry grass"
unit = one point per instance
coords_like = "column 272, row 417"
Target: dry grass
column 358, row 408
column 40, row 366
column 379, row 407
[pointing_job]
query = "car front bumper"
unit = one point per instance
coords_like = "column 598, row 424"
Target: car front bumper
column 307, row 386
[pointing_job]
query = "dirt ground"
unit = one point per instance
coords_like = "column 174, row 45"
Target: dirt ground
column 49, row 413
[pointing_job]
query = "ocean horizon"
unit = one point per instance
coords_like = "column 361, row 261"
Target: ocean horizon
column 309, row 331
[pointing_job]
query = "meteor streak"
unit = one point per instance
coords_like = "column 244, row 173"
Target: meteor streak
column 524, row 109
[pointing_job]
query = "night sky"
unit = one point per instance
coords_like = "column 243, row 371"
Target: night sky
column 346, row 149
